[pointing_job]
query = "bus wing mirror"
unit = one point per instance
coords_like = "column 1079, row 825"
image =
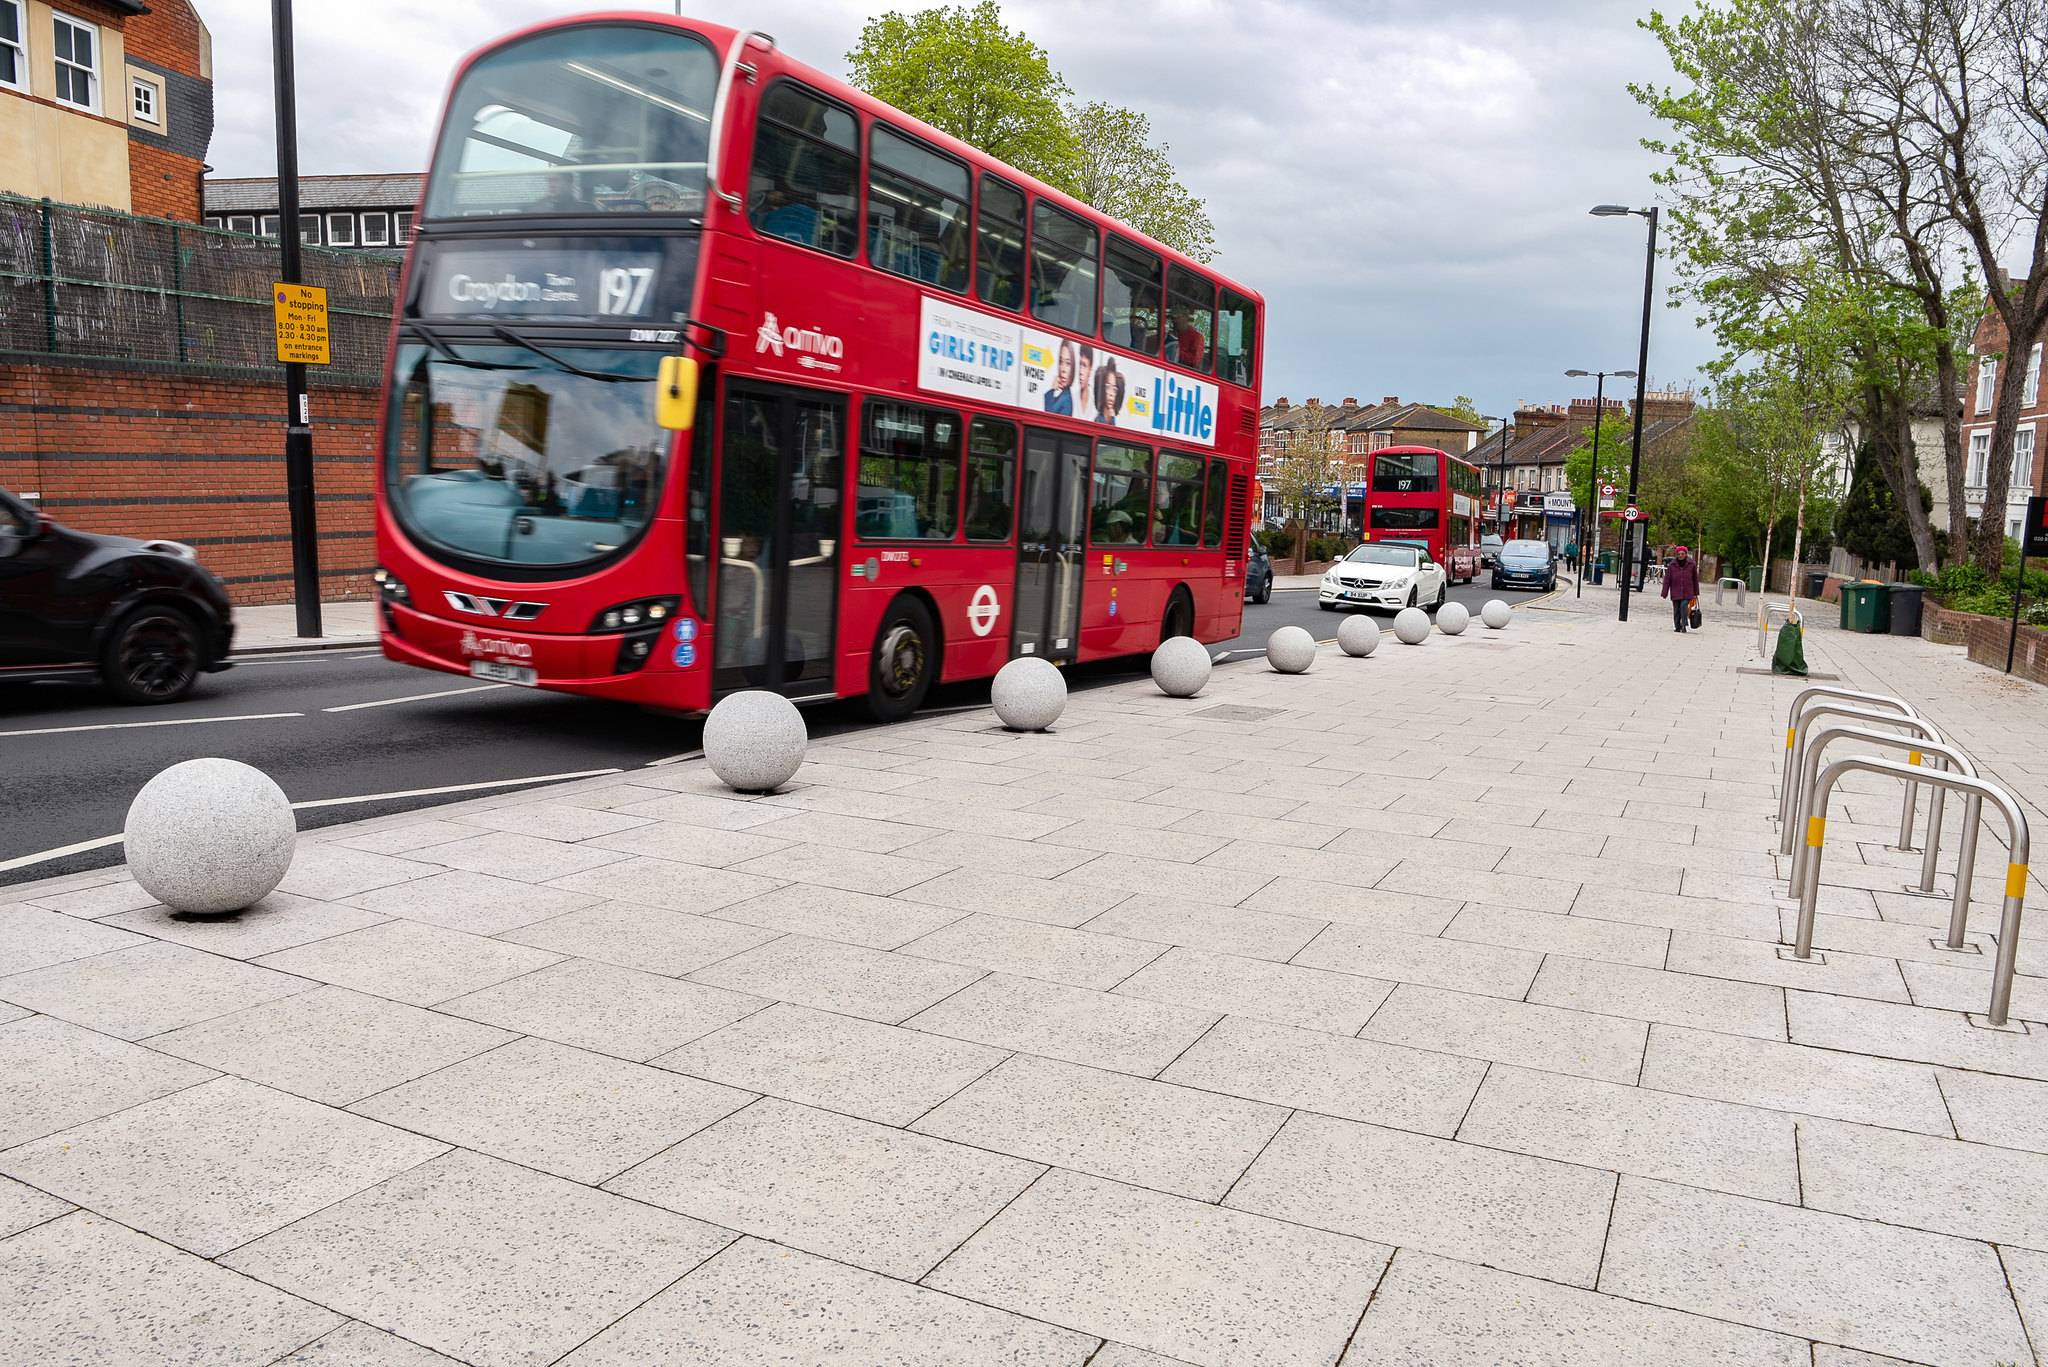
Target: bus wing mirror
column 675, row 393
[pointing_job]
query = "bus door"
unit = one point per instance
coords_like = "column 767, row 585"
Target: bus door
column 780, row 489
column 1052, row 505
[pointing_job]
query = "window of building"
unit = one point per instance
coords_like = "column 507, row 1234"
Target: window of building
column 909, row 473
column 1177, row 501
column 267, row 225
column 309, row 229
column 1130, row 297
column 917, row 211
column 2023, row 458
column 1063, row 255
column 242, row 223
column 991, row 479
column 401, row 227
column 2030, row 386
column 376, row 230
column 77, row 45
column 13, row 45
column 1190, row 318
column 212, row 220
column 1237, row 331
column 1380, row 441
column 805, row 185
column 1123, row 504
column 1980, row 459
column 145, row 100
column 341, row 230
column 1987, row 383
column 999, row 233
column 1212, row 506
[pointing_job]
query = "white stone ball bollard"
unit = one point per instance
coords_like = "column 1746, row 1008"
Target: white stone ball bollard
column 1291, row 650
column 1411, row 626
column 1452, row 619
column 754, row 741
column 1358, row 635
column 1496, row 614
column 210, row 835
column 1180, row 666
column 1028, row 694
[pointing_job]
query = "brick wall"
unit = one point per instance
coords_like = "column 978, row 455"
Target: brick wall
column 199, row 459
column 163, row 183
column 1986, row 638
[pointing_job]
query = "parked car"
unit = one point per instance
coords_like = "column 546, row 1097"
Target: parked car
column 1258, row 574
column 1526, row 564
column 1384, row 574
column 143, row 617
column 1489, row 551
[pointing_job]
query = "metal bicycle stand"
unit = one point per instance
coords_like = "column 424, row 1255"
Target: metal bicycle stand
column 1799, row 699
column 1953, row 759
column 1788, row 837
column 2017, row 845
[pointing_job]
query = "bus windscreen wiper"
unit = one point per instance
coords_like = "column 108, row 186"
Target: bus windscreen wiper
column 607, row 376
column 448, row 353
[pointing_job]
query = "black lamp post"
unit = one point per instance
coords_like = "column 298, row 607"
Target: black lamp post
column 1500, row 478
column 1593, row 484
column 1635, row 455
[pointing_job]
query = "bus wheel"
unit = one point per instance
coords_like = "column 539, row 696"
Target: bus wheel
column 905, row 658
column 1180, row 616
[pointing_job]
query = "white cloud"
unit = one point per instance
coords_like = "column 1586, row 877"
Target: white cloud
column 1404, row 180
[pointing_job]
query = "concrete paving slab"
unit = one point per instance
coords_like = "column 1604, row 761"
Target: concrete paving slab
column 1671, row 998
column 636, row 935
column 1283, row 993
column 147, row 988
column 407, row 961
column 1099, row 1029
column 1550, row 1038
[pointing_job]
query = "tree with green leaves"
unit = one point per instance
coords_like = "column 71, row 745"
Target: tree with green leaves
column 1309, row 462
column 1120, row 172
column 1870, row 523
column 1464, row 410
column 960, row 69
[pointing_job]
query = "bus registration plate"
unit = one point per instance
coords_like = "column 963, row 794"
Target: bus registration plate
column 499, row 672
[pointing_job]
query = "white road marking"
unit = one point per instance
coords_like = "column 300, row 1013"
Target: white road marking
column 414, row 697
column 673, row 759
column 44, row 856
column 134, row 725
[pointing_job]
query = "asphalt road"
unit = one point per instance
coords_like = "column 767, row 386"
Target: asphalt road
column 359, row 737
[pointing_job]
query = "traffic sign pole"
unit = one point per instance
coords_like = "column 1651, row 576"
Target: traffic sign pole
column 298, row 416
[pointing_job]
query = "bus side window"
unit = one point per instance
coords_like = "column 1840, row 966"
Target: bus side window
column 991, row 479
column 806, row 174
column 1237, row 326
column 999, row 231
column 1213, row 505
column 1122, row 502
column 1190, row 318
column 917, row 211
column 1063, row 255
column 1177, row 501
column 909, row 473
column 1130, row 297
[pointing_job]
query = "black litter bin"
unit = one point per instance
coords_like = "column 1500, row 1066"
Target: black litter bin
column 1905, row 609
column 1816, row 583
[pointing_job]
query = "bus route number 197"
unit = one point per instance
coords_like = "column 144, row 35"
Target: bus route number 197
column 623, row 290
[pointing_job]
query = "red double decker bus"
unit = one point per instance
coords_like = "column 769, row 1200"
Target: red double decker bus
column 1428, row 498
column 714, row 373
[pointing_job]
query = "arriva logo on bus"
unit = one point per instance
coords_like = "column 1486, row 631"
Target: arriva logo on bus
column 1182, row 410
column 773, row 337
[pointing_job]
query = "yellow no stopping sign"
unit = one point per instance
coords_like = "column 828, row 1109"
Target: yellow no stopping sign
column 301, row 324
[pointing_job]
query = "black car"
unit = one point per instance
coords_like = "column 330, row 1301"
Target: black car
column 1258, row 574
column 144, row 617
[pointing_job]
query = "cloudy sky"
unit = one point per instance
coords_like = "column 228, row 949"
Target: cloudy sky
column 1405, row 180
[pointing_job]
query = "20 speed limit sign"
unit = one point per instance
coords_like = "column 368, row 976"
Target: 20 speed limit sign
column 1632, row 513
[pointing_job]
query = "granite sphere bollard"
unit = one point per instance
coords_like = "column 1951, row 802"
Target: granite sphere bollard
column 1411, row 626
column 1291, row 650
column 1453, row 618
column 1496, row 614
column 754, row 741
column 1028, row 694
column 210, row 835
column 1180, row 666
column 1358, row 635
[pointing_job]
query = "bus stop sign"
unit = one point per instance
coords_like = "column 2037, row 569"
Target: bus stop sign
column 301, row 324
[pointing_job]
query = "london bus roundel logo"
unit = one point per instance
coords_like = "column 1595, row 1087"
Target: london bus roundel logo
column 982, row 610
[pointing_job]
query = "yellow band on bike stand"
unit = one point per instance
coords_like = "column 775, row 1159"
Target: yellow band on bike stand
column 2015, row 880
column 1791, row 734
column 1816, row 830
column 1912, row 757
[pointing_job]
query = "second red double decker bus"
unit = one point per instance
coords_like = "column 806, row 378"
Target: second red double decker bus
column 714, row 373
column 1429, row 498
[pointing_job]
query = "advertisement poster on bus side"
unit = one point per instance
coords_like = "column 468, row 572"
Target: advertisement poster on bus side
column 975, row 355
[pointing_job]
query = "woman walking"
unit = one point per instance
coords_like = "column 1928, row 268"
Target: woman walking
column 1681, row 586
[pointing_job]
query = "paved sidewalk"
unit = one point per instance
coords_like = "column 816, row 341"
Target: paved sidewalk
column 271, row 627
column 1426, row 1008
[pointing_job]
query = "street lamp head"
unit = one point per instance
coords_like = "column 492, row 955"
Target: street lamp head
column 1578, row 374
column 1623, row 374
column 1610, row 210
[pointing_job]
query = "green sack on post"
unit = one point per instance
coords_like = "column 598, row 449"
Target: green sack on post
column 1790, row 656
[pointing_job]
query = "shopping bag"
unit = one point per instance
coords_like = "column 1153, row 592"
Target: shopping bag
column 1695, row 616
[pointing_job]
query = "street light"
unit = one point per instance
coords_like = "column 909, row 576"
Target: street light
column 1500, row 478
column 1635, row 455
column 1593, row 484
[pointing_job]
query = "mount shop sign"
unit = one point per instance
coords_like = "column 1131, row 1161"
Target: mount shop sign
column 975, row 355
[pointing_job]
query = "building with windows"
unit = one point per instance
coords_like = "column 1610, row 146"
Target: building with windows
column 370, row 212
column 107, row 103
column 1990, row 353
column 1529, row 456
column 1355, row 430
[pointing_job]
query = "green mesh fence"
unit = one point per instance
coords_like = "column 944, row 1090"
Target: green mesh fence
column 76, row 281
